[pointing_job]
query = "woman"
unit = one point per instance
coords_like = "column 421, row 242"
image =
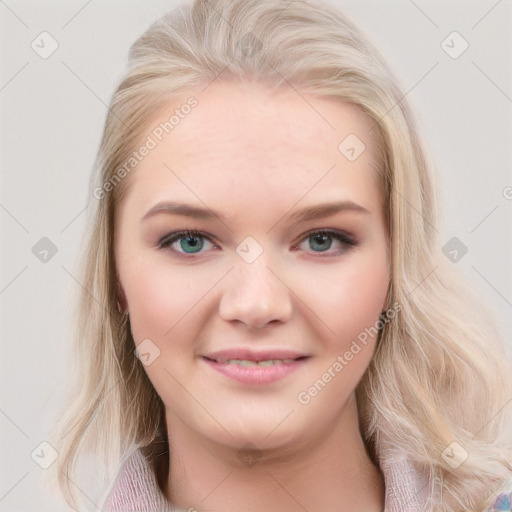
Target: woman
column 267, row 322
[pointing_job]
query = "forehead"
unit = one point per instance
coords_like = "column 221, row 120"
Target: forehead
column 245, row 142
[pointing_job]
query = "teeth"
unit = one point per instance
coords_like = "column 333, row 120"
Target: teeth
column 269, row 362
column 242, row 362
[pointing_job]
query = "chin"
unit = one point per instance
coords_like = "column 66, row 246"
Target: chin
column 263, row 431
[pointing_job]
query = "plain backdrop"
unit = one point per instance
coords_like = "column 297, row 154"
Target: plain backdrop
column 52, row 115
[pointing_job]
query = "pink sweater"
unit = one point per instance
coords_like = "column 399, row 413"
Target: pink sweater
column 135, row 489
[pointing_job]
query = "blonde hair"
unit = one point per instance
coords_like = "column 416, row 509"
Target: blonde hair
column 438, row 374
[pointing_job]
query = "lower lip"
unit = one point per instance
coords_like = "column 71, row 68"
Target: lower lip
column 255, row 374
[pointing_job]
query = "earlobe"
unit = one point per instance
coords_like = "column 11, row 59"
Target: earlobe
column 122, row 303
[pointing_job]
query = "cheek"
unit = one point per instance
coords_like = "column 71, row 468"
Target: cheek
column 164, row 300
column 354, row 300
column 156, row 299
column 161, row 310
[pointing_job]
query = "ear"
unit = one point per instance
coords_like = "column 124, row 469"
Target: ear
column 121, row 298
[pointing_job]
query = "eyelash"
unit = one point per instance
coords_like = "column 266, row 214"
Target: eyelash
column 342, row 237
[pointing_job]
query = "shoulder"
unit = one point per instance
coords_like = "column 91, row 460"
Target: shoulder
column 502, row 503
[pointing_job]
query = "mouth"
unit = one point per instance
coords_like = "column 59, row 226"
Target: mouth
column 251, row 367
column 255, row 356
column 252, row 362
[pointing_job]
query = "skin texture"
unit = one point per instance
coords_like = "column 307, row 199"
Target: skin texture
column 255, row 157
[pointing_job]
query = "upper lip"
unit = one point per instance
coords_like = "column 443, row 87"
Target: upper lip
column 221, row 356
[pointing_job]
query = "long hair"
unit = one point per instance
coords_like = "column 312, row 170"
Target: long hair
column 439, row 374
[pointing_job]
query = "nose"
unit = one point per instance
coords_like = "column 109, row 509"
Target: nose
column 255, row 295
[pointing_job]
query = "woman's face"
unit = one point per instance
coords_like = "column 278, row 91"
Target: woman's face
column 257, row 328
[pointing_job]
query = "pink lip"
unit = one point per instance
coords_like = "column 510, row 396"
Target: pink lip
column 255, row 374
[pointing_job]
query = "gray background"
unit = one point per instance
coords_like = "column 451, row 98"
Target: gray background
column 53, row 112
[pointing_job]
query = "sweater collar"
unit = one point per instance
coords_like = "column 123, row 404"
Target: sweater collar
column 407, row 488
column 135, row 487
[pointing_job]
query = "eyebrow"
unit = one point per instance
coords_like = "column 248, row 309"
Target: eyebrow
column 308, row 213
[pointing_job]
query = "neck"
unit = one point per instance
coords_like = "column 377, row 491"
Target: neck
column 331, row 473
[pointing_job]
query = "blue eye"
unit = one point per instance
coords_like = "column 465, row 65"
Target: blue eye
column 321, row 241
column 192, row 242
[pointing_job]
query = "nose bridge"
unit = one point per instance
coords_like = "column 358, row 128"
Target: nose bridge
column 253, row 293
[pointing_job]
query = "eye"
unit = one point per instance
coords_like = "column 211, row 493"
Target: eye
column 193, row 242
column 321, row 241
column 190, row 241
